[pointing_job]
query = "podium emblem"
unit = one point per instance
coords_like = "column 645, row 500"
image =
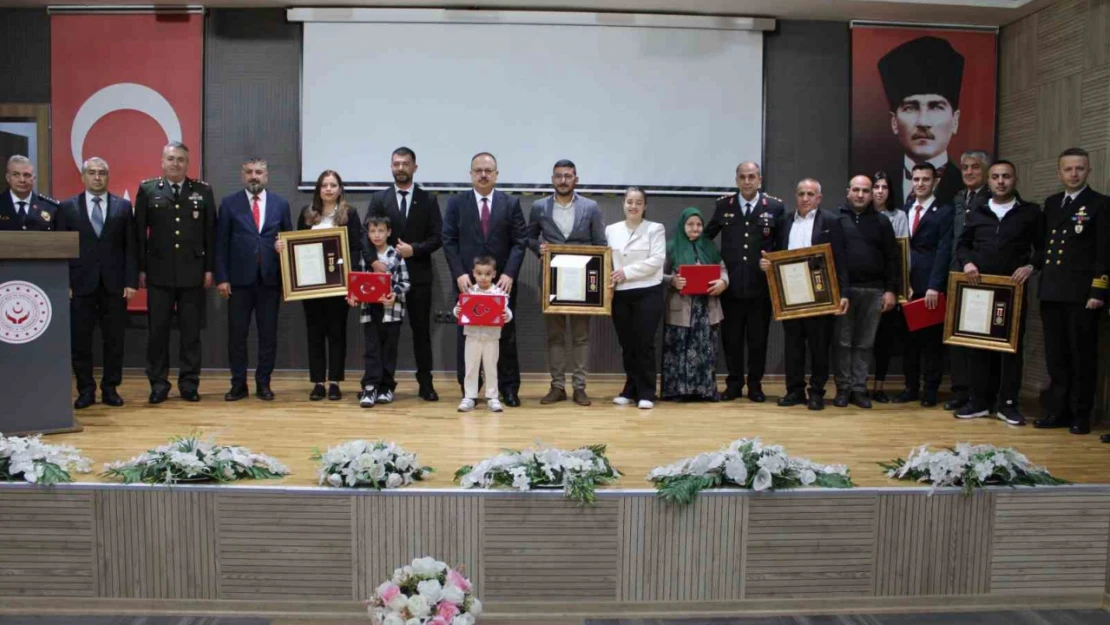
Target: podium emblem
column 25, row 312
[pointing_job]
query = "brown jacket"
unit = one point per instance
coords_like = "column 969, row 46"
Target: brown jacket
column 679, row 306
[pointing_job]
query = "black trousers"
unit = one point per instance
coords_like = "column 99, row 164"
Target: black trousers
column 889, row 340
column 508, row 365
column 924, row 349
column 109, row 311
column 746, row 321
column 379, row 356
column 636, row 316
column 1071, row 353
column 995, row 377
column 190, row 304
column 326, row 320
column 960, row 369
column 812, row 335
column 418, row 307
column 264, row 303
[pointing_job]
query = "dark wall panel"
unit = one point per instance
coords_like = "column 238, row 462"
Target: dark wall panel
column 25, row 56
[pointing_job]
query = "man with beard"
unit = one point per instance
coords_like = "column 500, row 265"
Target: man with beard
column 566, row 218
column 922, row 79
column 747, row 222
column 248, row 274
column 416, row 233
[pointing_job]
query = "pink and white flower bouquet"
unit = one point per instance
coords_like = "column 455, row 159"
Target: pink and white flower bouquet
column 426, row 592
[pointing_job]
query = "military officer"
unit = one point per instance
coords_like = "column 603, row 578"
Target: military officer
column 21, row 208
column 175, row 218
column 1073, row 293
column 746, row 221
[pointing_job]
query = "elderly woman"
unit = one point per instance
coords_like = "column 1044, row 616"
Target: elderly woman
column 691, row 323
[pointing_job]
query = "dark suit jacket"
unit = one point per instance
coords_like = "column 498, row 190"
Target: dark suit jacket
column 176, row 236
column 931, row 248
column 743, row 240
column 240, row 247
column 826, row 229
column 589, row 227
column 111, row 258
column 41, row 211
column 1080, row 274
column 358, row 245
column 962, row 207
column 422, row 229
column 463, row 240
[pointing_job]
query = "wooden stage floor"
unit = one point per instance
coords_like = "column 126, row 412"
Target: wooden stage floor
column 291, row 426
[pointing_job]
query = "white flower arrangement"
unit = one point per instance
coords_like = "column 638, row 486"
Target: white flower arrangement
column 745, row 463
column 970, row 467
column 31, row 460
column 377, row 464
column 426, row 592
column 191, row 459
column 578, row 472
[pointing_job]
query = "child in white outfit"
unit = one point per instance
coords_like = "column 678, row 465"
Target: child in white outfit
column 482, row 342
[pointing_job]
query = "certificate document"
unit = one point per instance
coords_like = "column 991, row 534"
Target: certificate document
column 309, row 260
column 570, row 277
column 975, row 310
column 796, row 286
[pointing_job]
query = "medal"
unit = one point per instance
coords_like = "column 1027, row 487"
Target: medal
column 196, row 214
column 331, row 263
column 45, row 216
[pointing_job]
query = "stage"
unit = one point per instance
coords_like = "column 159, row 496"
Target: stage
column 291, row 550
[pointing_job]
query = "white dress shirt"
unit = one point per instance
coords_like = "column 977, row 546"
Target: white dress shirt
column 925, row 205
column 801, row 233
column 754, row 203
column 407, row 197
column 563, row 216
column 103, row 205
column 1074, row 195
column 1000, row 210
column 326, row 221
column 640, row 253
column 16, row 201
column 478, row 200
column 261, row 206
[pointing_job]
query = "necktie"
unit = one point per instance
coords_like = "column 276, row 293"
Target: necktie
column 405, row 203
column 256, row 212
column 747, row 209
column 22, row 209
column 917, row 217
column 1067, row 202
column 97, row 217
column 485, row 217
column 176, row 190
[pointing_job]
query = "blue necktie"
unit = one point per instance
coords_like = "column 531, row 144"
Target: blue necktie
column 97, row 217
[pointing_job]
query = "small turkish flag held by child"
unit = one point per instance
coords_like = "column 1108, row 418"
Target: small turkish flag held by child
column 476, row 309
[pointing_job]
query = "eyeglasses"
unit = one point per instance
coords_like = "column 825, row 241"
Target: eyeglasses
column 481, row 172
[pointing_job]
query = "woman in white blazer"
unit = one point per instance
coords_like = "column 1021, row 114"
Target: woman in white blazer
column 639, row 249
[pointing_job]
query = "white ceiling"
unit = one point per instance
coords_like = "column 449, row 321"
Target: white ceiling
column 971, row 12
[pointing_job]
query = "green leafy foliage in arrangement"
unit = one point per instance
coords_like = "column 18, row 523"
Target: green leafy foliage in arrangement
column 192, row 459
column 578, row 472
column 970, row 467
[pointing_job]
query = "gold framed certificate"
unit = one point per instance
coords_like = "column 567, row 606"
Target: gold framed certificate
column 314, row 264
column 576, row 280
column 904, row 269
column 985, row 315
column 803, row 282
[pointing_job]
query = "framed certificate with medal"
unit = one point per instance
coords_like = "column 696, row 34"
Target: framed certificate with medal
column 903, row 269
column 986, row 315
column 314, row 264
column 576, row 280
column 803, row 282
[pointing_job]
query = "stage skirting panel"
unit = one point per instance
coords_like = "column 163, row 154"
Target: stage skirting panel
column 304, row 552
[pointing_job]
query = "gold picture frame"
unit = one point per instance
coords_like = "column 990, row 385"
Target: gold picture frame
column 591, row 266
column 986, row 315
column 314, row 264
column 904, row 269
column 803, row 282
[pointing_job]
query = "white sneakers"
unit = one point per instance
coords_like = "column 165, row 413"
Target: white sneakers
column 645, row 405
column 368, row 395
column 466, row 405
column 621, row 401
column 494, row 405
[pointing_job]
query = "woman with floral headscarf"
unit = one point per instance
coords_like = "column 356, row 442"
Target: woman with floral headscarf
column 691, row 322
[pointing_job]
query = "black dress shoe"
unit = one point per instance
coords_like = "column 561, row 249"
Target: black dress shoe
column 861, row 400
column 84, row 400
column 905, row 397
column 1105, row 438
column 792, row 399
column 957, row 402
column 512, row 400
column 881, row 397
column 111, row 398
column 263, row 392
column 841, row 400
column 732, row 392
column 158, row 395
column 318, row 393
column 1050, row 422
column 816, row 402
column 755, row 394
column 237, row 392
column 427, row 393
column 929, row 399
column 334, row 394
column 1081, row 427
column 190, row 395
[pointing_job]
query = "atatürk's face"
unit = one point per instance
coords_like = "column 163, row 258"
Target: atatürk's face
column 924, row 124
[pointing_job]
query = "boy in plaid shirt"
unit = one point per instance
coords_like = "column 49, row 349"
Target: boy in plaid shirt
column 381, row 323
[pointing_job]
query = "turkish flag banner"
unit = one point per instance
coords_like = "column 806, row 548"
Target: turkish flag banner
column 478, row 309
column 122, row 86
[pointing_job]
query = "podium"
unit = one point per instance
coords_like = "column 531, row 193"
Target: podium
column 35, row 368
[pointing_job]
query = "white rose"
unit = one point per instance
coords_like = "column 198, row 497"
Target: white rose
column 335, row 480
column 393, row 481
column 376, row 472
column 431, row 590
column 418, row 607
column 475, row 607
column 453, row 595
column 463, row 619
column 393, row 619
column 736, row 470
column 413, row 621
column 808, row 477
column 426, row 567
column 400, row 602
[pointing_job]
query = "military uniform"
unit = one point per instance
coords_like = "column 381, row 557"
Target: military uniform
column 40, row 213
column 1077, row 264
column 746, row 303
column 177, row 234
column 958, row 356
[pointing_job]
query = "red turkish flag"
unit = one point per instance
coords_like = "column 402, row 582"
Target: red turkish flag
column 122, row 86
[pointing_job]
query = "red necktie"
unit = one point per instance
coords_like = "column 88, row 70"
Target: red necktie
column 257, row 213
column 917, row 217
column 485, row 217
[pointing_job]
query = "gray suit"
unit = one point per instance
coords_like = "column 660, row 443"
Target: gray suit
column 588, row 229
column 958, row 356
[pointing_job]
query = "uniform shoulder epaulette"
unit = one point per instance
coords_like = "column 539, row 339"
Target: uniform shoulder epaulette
column 50, row 200
column 201, row 182
column 154, row 179
column 724, row 197
column 771, row 197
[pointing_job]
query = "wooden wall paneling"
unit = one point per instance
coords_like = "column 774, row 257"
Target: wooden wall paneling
column 1058, row 113
column 1060, row 40
column 802, row 546
column 284, row 546
column 1050, row 542
column 1017, row 66
column 47, row 544
column 1094, row 124
column 1017, row 117
column 1097, row 44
